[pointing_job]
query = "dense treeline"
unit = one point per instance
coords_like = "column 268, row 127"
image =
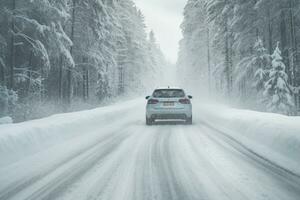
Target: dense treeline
column 246, row 51
column 58, row 53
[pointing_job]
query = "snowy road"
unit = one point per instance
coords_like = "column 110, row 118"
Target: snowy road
column 121, row 158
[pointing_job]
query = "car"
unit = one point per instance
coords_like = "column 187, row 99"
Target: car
column 169, row 104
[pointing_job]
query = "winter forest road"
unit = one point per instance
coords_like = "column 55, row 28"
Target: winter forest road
column 122, row 158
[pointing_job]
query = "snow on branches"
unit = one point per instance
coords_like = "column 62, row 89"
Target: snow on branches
column 277, row 93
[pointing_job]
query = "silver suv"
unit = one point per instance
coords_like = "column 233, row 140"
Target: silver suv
column 169, row 103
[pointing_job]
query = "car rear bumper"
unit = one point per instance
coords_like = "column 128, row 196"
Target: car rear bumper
column 169, row 113
column 169, row 116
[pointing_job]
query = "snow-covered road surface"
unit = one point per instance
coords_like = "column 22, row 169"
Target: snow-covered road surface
column 119, row 158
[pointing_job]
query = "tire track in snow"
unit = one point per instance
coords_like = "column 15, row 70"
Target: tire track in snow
column 125, row 178
column 165, row 150
column 242, row 170
column 251, row 153
column 67, row 171
column 146, row 179
column 255, row 159
column 203, row 171
column 14, row 177
column 119, row 181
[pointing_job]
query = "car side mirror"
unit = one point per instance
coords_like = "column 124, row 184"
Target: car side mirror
column 190, row 97
column 147, row 97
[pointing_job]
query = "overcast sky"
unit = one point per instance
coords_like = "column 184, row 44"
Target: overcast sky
column 164, row 17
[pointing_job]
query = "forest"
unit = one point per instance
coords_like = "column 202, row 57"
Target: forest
column 58, row 56
column 61, row 56
column 245, row 52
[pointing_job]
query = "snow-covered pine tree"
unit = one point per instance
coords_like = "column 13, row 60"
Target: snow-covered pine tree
column 39, row 39
column 157, row 61
column 191, row 63
column 103, row 43
column 93, row 50
column 116, row 44
column 262, row 61
column 251, row 74
column 235, row 26
column 8, row 100
column 220, row 14
column 277, row 93
column 136, row 59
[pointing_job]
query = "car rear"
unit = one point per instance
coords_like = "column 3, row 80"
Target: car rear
column 168, row 104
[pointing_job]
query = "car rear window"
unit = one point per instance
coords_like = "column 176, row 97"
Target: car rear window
column 168, row 93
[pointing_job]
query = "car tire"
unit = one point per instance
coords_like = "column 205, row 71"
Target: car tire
column 149, row 121
column 189, row 120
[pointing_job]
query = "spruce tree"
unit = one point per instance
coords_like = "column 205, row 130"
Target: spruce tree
column 277, row 93
column 262, row 62
column 251, row 73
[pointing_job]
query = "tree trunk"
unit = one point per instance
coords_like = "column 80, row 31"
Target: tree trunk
column 2, row 75
column 208, row 61
column 284, row 43
column 60, row 81
column 294, row 52
column 121, row 80
column 30, row 69
column 69, row 72
column 87, row 84
column 84, row 84
column 270, row 32
column 227, row 60
column 85, row 79
column 42, row 88
column 12, row 52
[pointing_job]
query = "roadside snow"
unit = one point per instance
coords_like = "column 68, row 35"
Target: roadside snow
column 20, row 140
column 272, row 136
column 6, row 120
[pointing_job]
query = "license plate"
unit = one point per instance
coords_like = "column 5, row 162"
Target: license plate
column 168, row 104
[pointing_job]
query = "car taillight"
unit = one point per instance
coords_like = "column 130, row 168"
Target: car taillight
column 184, row 101
column 153, row 101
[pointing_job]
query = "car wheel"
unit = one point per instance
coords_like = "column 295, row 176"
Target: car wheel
column 189, row 120
column 149, row 121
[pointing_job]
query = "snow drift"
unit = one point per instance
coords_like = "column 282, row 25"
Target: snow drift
column 27, row 138
column 272, row 136
column 6, row 120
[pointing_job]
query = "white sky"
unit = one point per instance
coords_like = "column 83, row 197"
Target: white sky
column 164, row 18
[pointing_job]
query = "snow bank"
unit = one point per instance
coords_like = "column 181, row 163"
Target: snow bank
column 19, row 140
column 6, row 120
column 272, row 136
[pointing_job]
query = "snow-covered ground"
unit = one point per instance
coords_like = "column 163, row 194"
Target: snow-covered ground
column 274, row 137
column 6, row 120
column 109, row 153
